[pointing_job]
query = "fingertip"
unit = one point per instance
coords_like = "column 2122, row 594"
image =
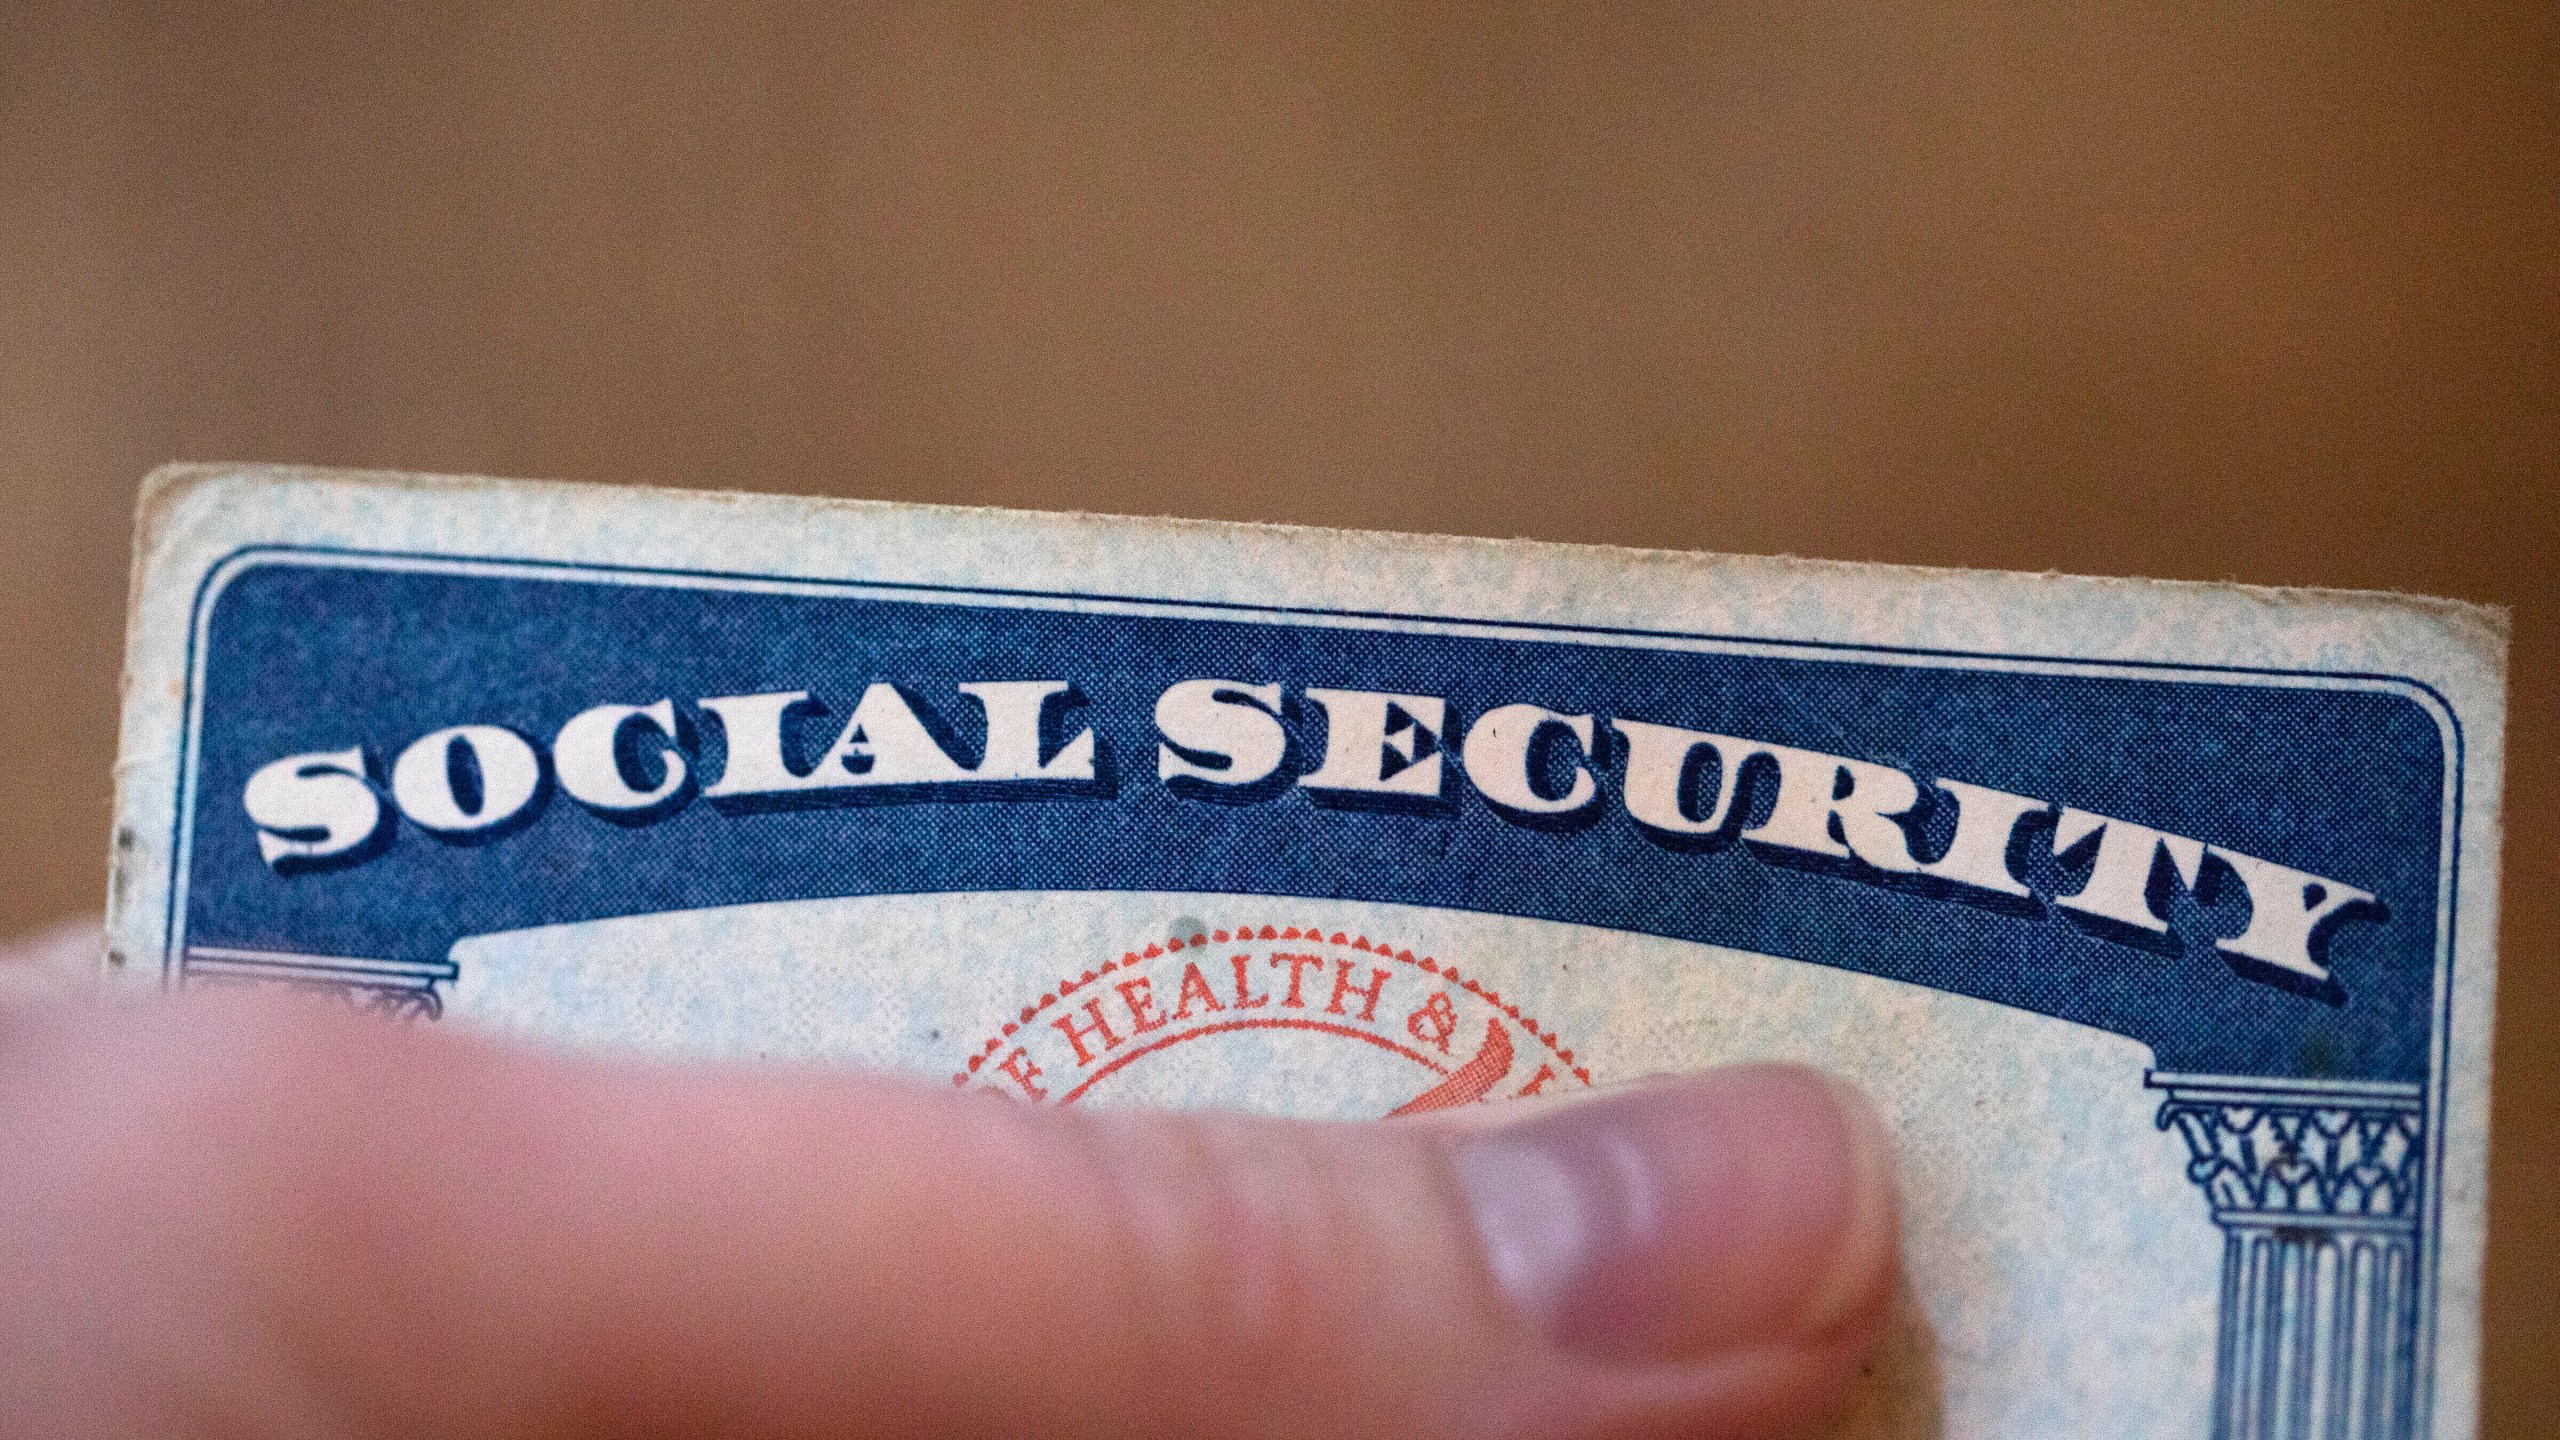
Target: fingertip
column 1746, row 1206
column 1854, row 1292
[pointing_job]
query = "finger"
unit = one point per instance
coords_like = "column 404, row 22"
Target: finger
column 352, row 1229
column 59, row 961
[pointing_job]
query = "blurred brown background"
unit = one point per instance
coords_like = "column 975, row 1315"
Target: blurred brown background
column 2261, row 292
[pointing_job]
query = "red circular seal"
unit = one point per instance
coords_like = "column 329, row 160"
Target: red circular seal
column 1337, row 1021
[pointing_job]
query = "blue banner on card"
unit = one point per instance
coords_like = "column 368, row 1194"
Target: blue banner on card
column 2242, row 871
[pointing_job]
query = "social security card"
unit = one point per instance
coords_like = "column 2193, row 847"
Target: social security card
column 2158, row 918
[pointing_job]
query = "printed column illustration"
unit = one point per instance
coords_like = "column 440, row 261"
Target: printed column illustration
column 2318, row 1187
column 400, row 989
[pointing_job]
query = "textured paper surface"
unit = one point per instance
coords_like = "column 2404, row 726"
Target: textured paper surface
column 2159, row 918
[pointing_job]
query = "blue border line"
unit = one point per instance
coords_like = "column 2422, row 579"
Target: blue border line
column 2439, row 1040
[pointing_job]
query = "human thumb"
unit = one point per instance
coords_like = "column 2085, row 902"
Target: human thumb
column 242, row 1219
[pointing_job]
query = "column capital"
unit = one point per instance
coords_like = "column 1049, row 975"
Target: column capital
column 396, row 989
column 2281, row 1151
